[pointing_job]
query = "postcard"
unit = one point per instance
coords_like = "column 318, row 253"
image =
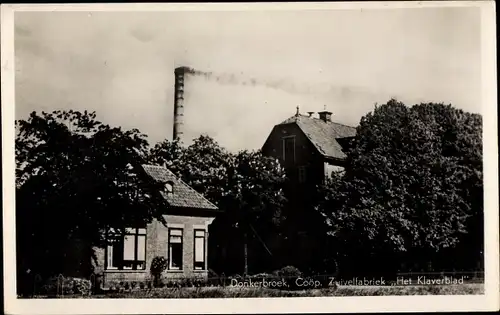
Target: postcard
column 250, row 158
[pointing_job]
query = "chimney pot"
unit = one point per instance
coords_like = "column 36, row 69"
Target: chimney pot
column 325, row 116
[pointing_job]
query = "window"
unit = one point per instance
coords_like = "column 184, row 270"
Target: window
column 289, row 149
column 128, row 252
column 175, row 249
column 302, row 174
column 199, row 249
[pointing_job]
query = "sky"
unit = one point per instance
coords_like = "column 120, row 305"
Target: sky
column 121, row 65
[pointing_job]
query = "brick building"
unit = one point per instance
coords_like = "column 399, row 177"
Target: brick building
column 310, row 149
column 183, row 241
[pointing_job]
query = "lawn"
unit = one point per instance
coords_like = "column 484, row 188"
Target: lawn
column 245, row 292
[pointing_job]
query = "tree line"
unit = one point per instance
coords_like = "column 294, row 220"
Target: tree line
column 411, row 191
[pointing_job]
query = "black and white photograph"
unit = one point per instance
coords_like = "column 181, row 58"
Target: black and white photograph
column 267, row 155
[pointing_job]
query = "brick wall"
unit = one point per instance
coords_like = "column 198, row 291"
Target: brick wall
column 157, row 245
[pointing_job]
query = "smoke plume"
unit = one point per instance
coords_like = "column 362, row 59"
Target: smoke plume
column 281, row 84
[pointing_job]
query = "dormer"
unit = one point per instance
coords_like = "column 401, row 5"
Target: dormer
column 169, row 188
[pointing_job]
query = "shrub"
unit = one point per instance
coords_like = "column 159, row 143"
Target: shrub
column 236, row 276
column 262, row 275
column 158, row 266
column 65, row 286
column 201, row 282
column 288, row 272
column 212, row 274
column 81, row 286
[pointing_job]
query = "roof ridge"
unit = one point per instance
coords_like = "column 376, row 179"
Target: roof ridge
column 333, row 122
column 163, row 167
column 289, row 120
column 293, row 119
column 152, row 165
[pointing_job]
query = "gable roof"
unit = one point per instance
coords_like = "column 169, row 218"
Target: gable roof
column 183, row 195
column 323, row 135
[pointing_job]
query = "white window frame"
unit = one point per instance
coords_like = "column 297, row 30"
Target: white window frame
column 109, row 253
column 136, row 233
column 170, row 253
column 204, row 250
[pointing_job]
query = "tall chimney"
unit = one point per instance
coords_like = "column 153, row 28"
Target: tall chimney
column 179, row 102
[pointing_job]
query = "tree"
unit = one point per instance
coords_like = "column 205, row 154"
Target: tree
column 412, row 185
column 75, row 178
column 246, row 185
column 204, row 165
column 256, row 195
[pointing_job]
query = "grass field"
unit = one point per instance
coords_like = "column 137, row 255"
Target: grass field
column 235, row 292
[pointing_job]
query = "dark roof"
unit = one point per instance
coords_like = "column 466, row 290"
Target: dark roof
column 183, row 195
column 323, row 135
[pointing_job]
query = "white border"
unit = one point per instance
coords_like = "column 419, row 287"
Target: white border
column 489, row 301
column 246, row 6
